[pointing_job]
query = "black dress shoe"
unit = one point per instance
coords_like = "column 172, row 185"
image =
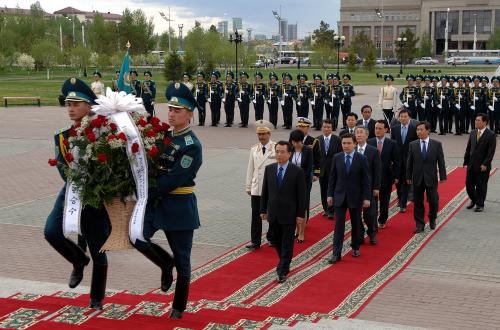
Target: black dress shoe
column 432, row 224
column 281, row 279
column 175, row 314
column 330, row 216
column 252, row 247
column 334, row 260
column 324, row 214
column 402, row 209
column 271, row 244
column 95, row 303
column 419, row 230
column 471, row 205
column 479, row 209
column 373, row 240
column 77, row 274
column 167, row 277
column 356, row 253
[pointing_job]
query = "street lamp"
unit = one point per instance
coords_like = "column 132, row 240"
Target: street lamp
column 72, row 21
column 380, row 16
column 237, row 39
column 278, row 17
column 180, row 35
column 168, row 20
column 339, row 42
column 401, row 42
column 446, row 36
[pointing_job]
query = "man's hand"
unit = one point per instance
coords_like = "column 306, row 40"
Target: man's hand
column 408, row 181
column 248, row 192
column 263, row 216
column 375, row 192
column 329, row 200
column 483, row 168
column 315, row 178
column 300, row 220
column 366, row 203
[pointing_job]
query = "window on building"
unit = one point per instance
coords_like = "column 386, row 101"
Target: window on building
column 377, row 44
column 453, row 22
column 388, row 44
column 497, row 18
column 376, row 32
column 388, row 31
column 479, row 18
column 362, row 29
column 402, row 29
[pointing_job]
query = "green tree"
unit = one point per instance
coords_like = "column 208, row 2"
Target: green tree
column 3, row 62
column 104, row 61
column 152, row 59
column 410, row 46
column 323, row 36
column 137, row 29
column 45, row 53
column 80, row 57
column 189, row 63
column 351, row 60
column 360, row 44
column 101, row 36
column 369, row 62
column 173, row 67
column 323, row 56
column 174, row 41
column 425, row 48
column 494, row 41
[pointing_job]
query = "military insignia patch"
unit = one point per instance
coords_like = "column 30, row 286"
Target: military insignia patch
column 72, row 94
column 186, row 161
column 174, row 99
column 189, row 140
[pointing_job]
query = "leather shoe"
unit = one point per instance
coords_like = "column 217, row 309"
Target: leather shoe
column 175, row 314
column 432, row 224
column 96, row 303
column 471, row 205
column 330, row 215
column 356, row 253
column 373, row 240
column 281, row 278
column 419, row 230
column 334, row 259
column 381, row 225
column 77, row 273
column 252, row 247
column 402, row 209
column 167, row 277
column 271, row 244
column 479, row 209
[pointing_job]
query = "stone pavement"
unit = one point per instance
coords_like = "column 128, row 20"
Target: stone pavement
column 453, row 283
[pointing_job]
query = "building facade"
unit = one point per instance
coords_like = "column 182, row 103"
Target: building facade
column 292, row 32
column 87, row 16
column 384, row 20
column 237, row 23
column 284, row 29
column 223, row 28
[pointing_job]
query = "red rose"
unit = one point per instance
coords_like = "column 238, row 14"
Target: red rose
column 96, row 123
column 135, row 147
column 72, row 132
column 153, row 152
column 111, row 137
column 167, row 140
column 165, row 127
column 91, row 137
column 102, row 157
column 69, row 157
column 157, row 129
column 142, row 122
column 66, row 142
column 52, row 162
column 122, row 136
column 151, row 133
column 113, row 126
column 88, row 130
column 155, row 121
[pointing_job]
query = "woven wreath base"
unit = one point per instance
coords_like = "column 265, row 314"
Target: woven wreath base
column 119, row 215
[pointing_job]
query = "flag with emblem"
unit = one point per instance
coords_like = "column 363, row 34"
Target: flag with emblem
column 124, row 78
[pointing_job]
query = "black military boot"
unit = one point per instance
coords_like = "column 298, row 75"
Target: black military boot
column 75, row 255
column 98, row 286
column 162, row 259
column 180, row 297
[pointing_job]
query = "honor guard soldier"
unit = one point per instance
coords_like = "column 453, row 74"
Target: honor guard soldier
column 259, row 96
column 469, row 122
column 245, row 92
column 201, row 95
column 114, row 82
column 427, row 94
column 335, row 96
column 215, row 92
column 135, row 85
column 328, row 96
column 409, row 96
column 451, row 111
column 95, row 225
column 318, row 92
column 418, row 80
column 97, row 85
column 460, row 103
column 273, row 98
column 443, row 97
column 388, row 97
column 148, row 93
column 186, row 80
column 261, row 155
column 172, row 205
column 230, row 91
column 303, row 93
column 477, row 98
column 494, row 104
column 288, row 95
column 347, row 94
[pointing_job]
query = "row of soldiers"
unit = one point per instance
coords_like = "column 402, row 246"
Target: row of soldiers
column 333, row 97
column 447, row 100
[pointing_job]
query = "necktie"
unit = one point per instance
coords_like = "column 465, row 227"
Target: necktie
column 350, row 130
column 264, row 150
column 347, row 163
column 424, row 150
column 379, row 146
column 366, row 123
column 360, row 150
column 478, row 135
column 403, row 134
column 327, row 145
column 280, row 177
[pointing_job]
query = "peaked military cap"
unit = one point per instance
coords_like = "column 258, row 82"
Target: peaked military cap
column 273, row 75
column 301, row 76
column 230, row 73
column 179, row 96
column 419, row 76
column 77, row 90
column 258, row 74
column 410, row 76
column 467, row 78
column 134, row 71
column 388, row 77
column 497, row 78
column 200, row 73
column 476, row 77
column 444, row 77
column 98, row 74
column 216, row 74
column 460, row 78
column 336, row 76
column 329, row 76
column 484, row 78
column 427, row 77
column 262, row 126
column 317, row 76
column 303, row 122
column 452, row 78
column 147, row 72
column 243, row 74
column 286, row 75
column 346, row 76
column 186, row 74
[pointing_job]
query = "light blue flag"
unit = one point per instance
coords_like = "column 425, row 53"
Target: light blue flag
column 124, row 78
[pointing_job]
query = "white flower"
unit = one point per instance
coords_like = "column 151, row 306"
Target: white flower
column 117, row 102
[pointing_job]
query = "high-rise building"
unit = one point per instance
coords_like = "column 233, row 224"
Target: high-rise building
column 237, row 23
column 275, row 37
column 292, row 32
column 284, row 29
column 260, row 37
column 222, row 28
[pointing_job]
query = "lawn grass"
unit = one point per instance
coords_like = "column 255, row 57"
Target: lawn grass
column 17, row 82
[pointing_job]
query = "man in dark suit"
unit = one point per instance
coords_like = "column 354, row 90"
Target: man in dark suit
column 403, row 133
column 351, row 121
column 329, row 145
column 283, row 204
column 390, row 163
column 478, row 156
column 374, row 167
column 425, row 156
column 367, row 120
column 348, row 189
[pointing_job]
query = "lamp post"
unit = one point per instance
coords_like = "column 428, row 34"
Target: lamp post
column 237, row 39
column 72, row 21
column 380, row 15
column 475, row 35
column 401, row 42
column 446, row 36
column 278, row 17
column 339, row 42
column 168, row 20
column 180, row 36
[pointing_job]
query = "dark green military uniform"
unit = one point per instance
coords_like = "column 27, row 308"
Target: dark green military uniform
column 427, row 97
column 287, row 97
column 347, row 94
column 215, row 94
column 444, row 95
column 135, row 85
column 494, row 104
column 273, row 98
column 259, row 96
column 230, row 91
column 245, row 92
column 201, row 96
column 303, row 93
column 410, row 96
column 460, row 103
column 318, row 93
column 148, row 94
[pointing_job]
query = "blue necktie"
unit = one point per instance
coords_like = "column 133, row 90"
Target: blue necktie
column 347, row 163
column 280, row 177
column 327, row 145
column 424, row 150
column 403, row 134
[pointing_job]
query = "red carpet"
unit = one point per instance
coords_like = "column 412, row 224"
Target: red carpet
column 239, row 289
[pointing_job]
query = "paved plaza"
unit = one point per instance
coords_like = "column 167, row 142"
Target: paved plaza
column 453, row 283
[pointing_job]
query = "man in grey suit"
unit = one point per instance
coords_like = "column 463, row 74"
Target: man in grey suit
column 425, row 156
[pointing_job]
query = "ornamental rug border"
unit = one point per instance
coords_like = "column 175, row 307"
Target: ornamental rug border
column 362, row 293
column 21, row 318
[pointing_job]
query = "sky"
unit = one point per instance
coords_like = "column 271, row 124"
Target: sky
column 256, row 14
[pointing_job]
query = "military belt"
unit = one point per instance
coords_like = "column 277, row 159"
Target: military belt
column 182, row 191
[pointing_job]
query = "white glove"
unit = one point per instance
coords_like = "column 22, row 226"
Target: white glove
column 282, row 102
column 224, row 100
column 239, row 99
column 476, row 98
column 299, row 103
column 330, row 104
column 406, row 104
column 285, row 94
column 457, row 106
column 312, row 102
column 254, row 101
column 422, row 105
column 426, row 97
column 491, row 108
column 334, row 96
column 211, row 92
column 495, row 99
column 257, row 92
column 443, row 97
column 269, row 101
column 459, row 96
column 315, row 94
column 153, row 103
column 341, row 101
